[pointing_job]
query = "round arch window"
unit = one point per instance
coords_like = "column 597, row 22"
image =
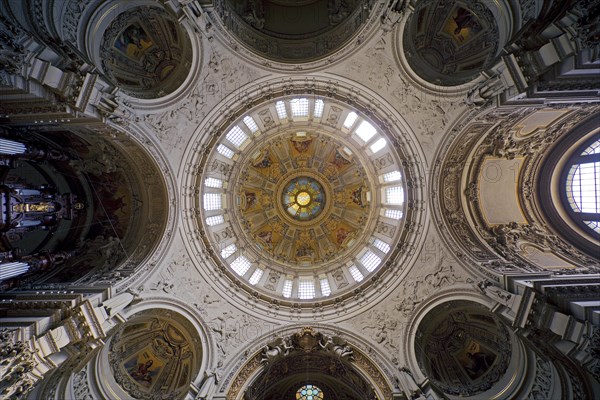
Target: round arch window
column 581, row 184
column 569, row 186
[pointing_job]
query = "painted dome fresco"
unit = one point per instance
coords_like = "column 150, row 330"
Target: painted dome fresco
column 155, row 354
column 147, row 52
column 294, row 31
column 302, row 198
column 449, row 43
column 464, row 347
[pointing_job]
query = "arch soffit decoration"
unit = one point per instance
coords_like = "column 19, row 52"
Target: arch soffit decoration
column 267, row 90
column 243, row 370
column 168, row 180
column 159, row 186
column 499, row 135
column 121, row 152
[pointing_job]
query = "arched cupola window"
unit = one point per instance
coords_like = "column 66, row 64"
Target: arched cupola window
column 569, row 186
column 582, row 186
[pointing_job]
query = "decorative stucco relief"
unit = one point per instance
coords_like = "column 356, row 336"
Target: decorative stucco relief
column 221, row 76
column 436, row 269
column 429, row 115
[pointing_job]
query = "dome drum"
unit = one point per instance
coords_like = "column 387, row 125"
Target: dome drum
column 253, row 238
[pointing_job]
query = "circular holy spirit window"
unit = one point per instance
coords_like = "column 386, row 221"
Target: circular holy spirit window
column 303, row 198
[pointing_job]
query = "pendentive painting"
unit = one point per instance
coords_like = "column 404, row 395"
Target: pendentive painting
column 134, row 41
column 475, row 359
column 143, row 367
column 462, row 25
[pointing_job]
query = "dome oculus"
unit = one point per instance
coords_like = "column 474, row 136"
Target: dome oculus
column 303, row 198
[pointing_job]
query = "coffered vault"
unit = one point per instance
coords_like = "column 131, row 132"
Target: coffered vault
column 315, row 199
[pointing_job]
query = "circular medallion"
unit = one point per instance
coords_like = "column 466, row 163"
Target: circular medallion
column 303, row 198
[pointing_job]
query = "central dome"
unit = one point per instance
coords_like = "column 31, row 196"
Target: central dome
column 301, row 198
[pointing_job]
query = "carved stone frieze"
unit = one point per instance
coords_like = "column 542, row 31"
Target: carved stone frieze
column 220, row 80
column 12, row 52
column 17, row 361
column 72, row 12
column 386, row 324
column 81, row 386
column 593, row 350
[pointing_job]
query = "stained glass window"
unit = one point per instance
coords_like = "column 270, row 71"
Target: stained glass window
column 370, row 260
column 229, row 250
column 226, row 151
column 236, row 136
column 392, row 176
column 381, row 245
column 394, row 214
column 256, row 275
column 303, row 198
column 212, row 201
column 306, row 289
column 378, row 145
column 356, row 274
column 11, row 147
column 299, row 107
column 281, row 112
column 287, row 288
column 309, row 392
column 350, row 120
column 325, row 288
column 240, row 265
column 215, row 220
column 12, row 269
column 213, row 183
column 394, row 195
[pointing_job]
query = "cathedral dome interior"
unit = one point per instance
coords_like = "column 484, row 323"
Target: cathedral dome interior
column 306, row 210
column 308, row 200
